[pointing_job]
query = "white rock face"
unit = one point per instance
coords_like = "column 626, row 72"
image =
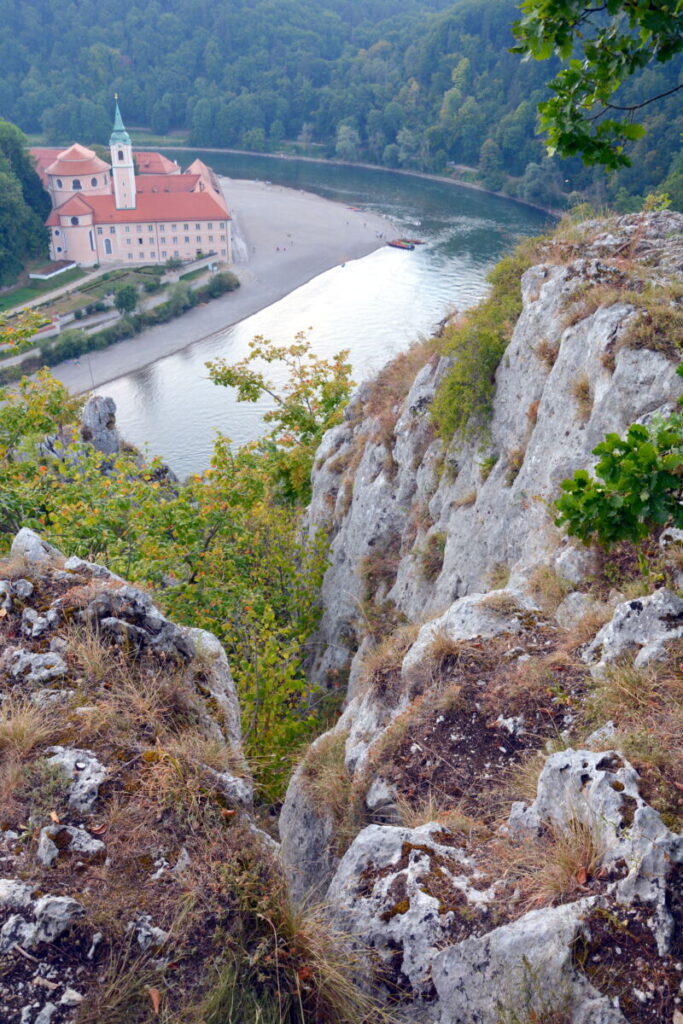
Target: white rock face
column 520, row 967
column 382, row 486
column 307, row 843
column 34, row 550
column 477, row 615
column 641, row 626
column 536, row 425
column 85, row 771
column 98, row 424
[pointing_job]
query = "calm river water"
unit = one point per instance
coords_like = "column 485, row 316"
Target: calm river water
column 374, row 306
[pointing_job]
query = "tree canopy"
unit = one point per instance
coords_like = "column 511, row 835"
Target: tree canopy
column 601, row 45
column 23, row 205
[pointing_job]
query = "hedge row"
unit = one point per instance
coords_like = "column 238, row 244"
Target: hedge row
column 72, row 344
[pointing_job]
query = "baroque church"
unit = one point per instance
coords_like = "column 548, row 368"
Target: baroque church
column 108, row 213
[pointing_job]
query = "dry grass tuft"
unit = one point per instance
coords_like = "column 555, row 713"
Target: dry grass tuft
column 381, row 668
column 548, row 588
column 547, row 352
column 551, row 870
column 587, row 627
column 501, row 602
column 582, row 393
column 324, row 775
column 441, row 809
column 431, row 555
column 515, row 461
column 394, row 380
column 466, row 500
column 25, row 726
column 532, row 412
column 498, row 576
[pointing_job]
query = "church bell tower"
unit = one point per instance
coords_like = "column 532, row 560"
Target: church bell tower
column 123, row 171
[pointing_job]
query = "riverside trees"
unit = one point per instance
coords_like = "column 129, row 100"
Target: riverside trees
column 222, row 551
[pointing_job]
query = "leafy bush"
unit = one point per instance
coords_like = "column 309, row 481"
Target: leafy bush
column 229, row 540
column 464, row 399
column 639, row 485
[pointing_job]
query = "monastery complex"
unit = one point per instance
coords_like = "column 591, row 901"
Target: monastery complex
column 106, row 213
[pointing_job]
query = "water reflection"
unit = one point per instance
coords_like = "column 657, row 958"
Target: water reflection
column 374, row 307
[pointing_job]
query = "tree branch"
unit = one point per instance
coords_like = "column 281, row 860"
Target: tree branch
column 637, row 106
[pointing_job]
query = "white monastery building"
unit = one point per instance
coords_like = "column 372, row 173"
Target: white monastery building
column 104, row 213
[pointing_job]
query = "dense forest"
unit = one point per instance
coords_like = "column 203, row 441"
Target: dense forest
column 24, row 205
column 420, row 86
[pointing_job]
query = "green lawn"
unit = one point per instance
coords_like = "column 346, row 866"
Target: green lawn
column 27, row 293
column 191, row 274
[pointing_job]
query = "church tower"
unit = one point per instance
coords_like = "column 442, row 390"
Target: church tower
column 123, row 171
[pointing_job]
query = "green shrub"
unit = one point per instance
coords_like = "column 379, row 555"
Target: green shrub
column 639, row 485
column 464, row 399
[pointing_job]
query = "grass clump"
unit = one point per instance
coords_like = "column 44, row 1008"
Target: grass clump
column 465, row 500
column 463, row 401
column 24, row 726
column 582, row 393
column 432, row 554
column 548, row 588
column 486, row 465
column 515, row 461
column 646, row 706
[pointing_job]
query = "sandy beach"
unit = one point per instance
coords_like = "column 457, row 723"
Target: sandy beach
column 284, row 238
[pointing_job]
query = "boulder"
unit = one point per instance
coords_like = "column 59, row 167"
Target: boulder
column 640, row 627
column 98, row 424
column 85, row 771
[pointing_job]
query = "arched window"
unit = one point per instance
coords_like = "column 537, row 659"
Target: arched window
column 107, row 247
column 93, row 182
column 74, row 220
column 120, row 154
column 76, row 183
column 59, row 183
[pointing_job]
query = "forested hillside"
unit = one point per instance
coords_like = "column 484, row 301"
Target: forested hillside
column 414, row 86
column 23, row 205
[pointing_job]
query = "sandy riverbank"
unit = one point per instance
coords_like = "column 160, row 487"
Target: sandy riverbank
column 288, row 236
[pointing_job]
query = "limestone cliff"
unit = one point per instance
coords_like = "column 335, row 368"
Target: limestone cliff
column 465, row 817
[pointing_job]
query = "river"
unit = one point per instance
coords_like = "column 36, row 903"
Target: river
column 374, row 306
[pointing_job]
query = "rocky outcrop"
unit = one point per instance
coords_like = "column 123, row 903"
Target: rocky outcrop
column 475, row 635
column 383, row 490
column 121, row 763
column 98, row 425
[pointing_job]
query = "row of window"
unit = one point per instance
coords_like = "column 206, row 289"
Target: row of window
column 76, row 183
column 112, row 231
column 165, row 254
column 150, row 227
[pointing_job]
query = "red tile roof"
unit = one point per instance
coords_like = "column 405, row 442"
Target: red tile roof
column 74, row 206
column 155, row 163
column 165, row 182
column 42, row 158
column 77, row 160
column 150, row 208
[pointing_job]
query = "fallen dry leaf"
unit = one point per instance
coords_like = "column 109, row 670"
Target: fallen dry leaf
column 155, row 996
column 3, row 613
column 582, row 876
column 54, row 817
column 226, row 813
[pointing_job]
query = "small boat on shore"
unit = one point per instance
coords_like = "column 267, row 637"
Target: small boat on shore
column 400, row 243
